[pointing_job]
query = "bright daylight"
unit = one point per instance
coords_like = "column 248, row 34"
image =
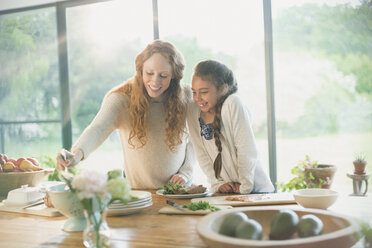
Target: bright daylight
column 174, row 123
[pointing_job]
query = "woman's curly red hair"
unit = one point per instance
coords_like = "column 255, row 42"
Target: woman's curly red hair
column 174, row 100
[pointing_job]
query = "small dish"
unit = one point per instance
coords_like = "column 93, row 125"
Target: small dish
column 315, row 198
column 23, row 196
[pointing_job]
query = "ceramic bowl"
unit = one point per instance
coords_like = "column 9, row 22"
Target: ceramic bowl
column 315, row 198
column 69, row 205
column 339, row 231
column 15, row 180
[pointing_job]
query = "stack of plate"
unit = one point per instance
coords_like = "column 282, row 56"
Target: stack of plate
column 143, row 200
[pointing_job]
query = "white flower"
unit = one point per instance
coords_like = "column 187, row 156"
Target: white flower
column 119, row 188
column 89, row 183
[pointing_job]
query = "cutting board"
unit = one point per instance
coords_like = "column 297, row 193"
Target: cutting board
column 172, row 210
column 35, row 210
column 251, row 199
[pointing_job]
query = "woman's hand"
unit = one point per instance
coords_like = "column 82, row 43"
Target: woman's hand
column 178, row 179
column 66, row 159
column 229, row 187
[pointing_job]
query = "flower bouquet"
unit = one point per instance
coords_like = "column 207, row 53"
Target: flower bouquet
column 96, row 191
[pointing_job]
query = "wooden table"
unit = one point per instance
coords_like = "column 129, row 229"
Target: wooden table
column 145, row 229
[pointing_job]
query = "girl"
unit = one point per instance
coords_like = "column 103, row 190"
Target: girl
column 220, row 129
column 149, row 111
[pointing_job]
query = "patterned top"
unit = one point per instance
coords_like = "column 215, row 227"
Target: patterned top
column 206, row 130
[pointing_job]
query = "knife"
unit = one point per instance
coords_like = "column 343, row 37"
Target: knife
column 38, row 202
column 173, row 204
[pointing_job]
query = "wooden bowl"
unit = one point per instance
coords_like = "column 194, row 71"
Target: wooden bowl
column 339, row 231
column 14, row 180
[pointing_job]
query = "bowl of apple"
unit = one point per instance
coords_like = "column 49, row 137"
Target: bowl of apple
column 17, row 172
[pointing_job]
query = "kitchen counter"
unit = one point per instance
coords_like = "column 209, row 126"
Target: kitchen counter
column 147, row 228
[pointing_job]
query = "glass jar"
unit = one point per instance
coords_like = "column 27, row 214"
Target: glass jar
column 97, row 232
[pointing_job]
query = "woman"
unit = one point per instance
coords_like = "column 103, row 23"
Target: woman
column 220, row 129
column 149, row 113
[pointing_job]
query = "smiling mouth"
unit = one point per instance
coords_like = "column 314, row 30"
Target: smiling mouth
column 202, row 105
column 154, row 88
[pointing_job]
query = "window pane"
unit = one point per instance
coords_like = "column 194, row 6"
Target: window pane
column 103, row 41
column 29, row 85
column 323, row 62
column 32, row 140
column 230, row 32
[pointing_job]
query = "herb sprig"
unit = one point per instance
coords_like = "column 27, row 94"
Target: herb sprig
column 201, row 205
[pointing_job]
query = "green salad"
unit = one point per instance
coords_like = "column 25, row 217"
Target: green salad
column 171, row 188
column 201, row 205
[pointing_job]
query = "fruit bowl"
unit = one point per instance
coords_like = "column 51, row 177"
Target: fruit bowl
column 69, row 205
column 14, row 180
column 315, row 198
column 339, row 231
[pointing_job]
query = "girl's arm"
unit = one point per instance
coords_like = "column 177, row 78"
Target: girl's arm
column 102, row 125
column 237, row 124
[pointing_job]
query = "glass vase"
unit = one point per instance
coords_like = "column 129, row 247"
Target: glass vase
column 97, row 232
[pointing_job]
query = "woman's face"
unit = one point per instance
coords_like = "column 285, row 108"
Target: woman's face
column 156, row 75
column 205, row 94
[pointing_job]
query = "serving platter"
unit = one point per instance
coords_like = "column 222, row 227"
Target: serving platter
column 251, row 199
column 339, row 231
column 182, row 196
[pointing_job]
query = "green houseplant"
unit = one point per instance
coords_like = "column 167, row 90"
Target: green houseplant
column 309, row 174
column 359, row 163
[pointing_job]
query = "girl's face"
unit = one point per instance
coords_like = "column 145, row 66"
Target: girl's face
column 205, row 94
column 156, row 75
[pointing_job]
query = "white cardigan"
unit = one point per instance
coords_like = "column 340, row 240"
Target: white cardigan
column 240, row 162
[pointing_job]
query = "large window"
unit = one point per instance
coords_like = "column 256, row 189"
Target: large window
column 323, row 90
column 29, row 85
column 103, row 41
column 230, row 32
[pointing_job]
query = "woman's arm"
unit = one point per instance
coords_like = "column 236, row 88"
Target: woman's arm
column 185, row 172
column 105, row 122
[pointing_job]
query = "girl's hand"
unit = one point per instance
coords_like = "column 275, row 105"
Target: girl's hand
column 226, row 188
column 66, row 159
column 236, row 188
column 229, row 187
column 178, row 179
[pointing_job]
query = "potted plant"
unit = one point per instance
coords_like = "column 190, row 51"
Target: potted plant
column 360, row 164
column 309, row 174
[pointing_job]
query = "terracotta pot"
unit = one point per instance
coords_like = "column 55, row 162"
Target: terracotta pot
column 359, row 167
column 323, row 175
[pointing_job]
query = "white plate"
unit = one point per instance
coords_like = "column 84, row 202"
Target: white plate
column 140, row 194
column 181, row 196
column 119, row 203
column 121, row 206
column 126, row 211
column 143, row 196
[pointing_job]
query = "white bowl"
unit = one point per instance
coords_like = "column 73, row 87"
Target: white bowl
column 69, row 205
column 315, row 198
column 339, row 231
